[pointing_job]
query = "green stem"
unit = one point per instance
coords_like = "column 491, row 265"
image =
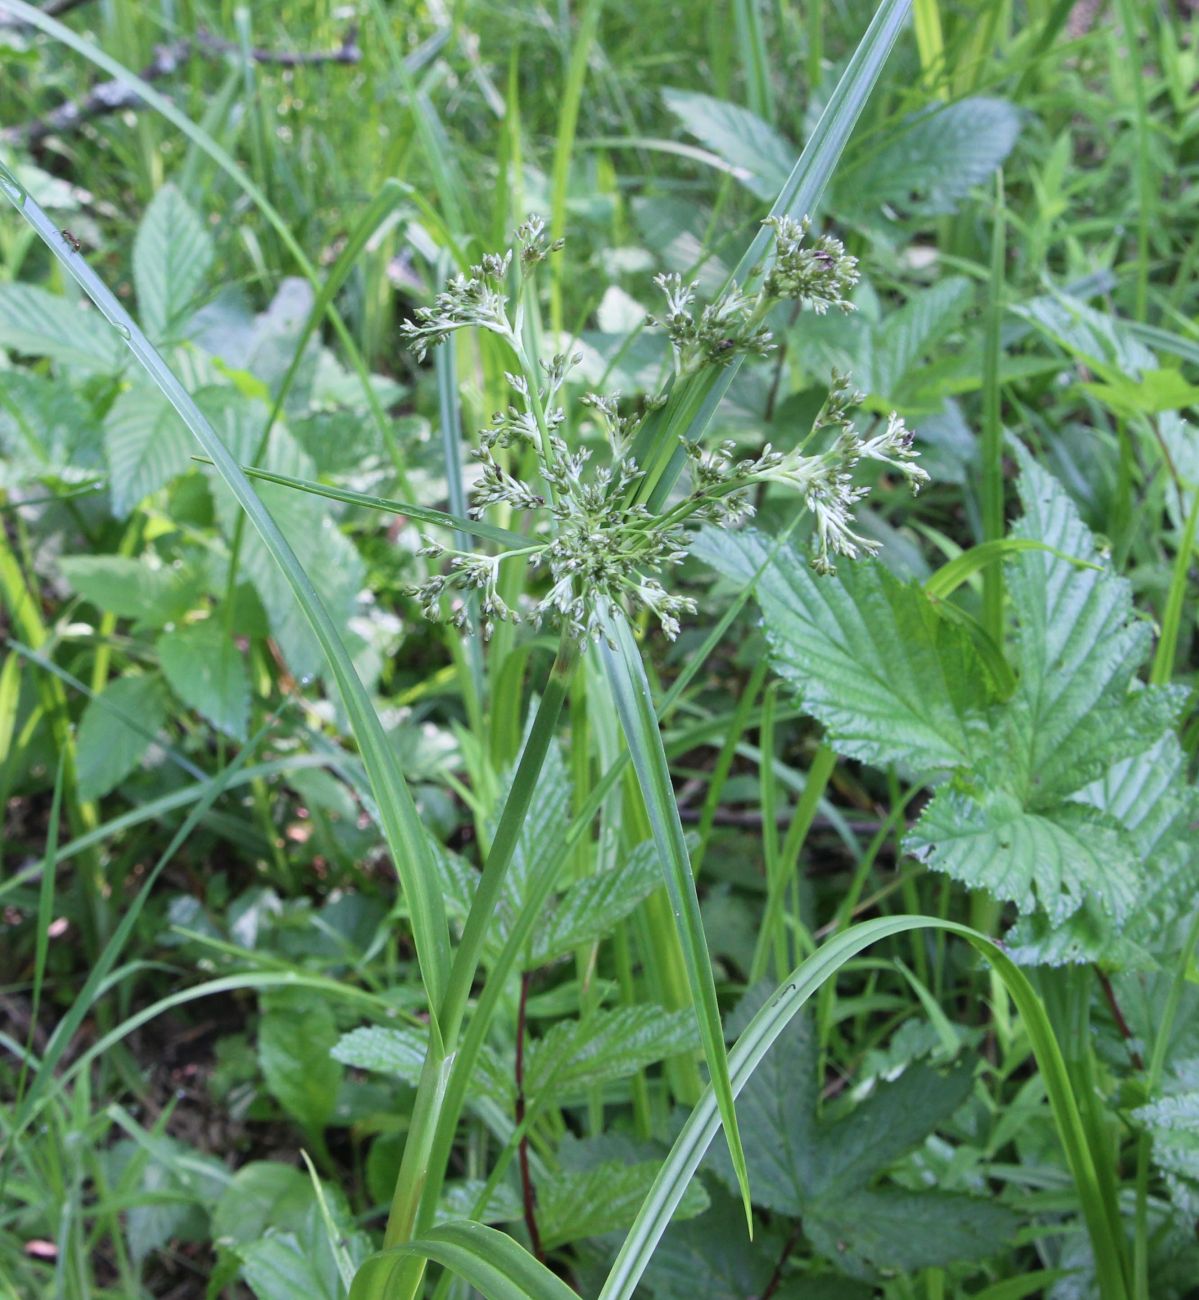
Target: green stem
column 439, row 1091
column 992, row 431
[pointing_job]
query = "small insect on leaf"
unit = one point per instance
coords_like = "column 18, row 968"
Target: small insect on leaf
column 70, row 240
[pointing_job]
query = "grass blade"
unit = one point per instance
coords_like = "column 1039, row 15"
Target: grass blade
column 489, row 1260
column 634, row 703
column 441, row 518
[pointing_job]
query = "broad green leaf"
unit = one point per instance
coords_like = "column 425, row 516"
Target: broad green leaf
column 490, row 1261
column 1173, row 1123
column 172, row 254
column 987, row 839
column 145, row 444
column 906, row 336
column 295, row 1037
column 206, row 670
column 760, row 158
column 43, row 324
column 1019, row 824
column 870, row 658
column 933, row 159
column 589, row 910
column 770, row 1023
column 132, row 588
column 876, row 1233
column 285, row 1265
column 400, row 1054
column 575, row 1055
column 798, row 1161
column 1099, row 338
column 117, row 728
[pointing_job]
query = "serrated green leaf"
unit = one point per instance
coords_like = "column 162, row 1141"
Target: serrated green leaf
column 45, row 324
column 607, row 1045
column 909, row 334
column 589, row 909
column 262, row 1194
column 1053, row 859
column 933, row 159
column 1173, row 1123
column 295, row 1038
column 761, row 159
column 605, row 1198
column 869, row 657
column 145, row 445
column 282, row 1266
column 399, row 1052
column 117, row 728
column 131, row 588
column 172, row 254
column 206, row 670
column 46, row 429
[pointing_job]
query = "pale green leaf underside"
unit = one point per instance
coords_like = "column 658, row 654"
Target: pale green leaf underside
column 172, row 254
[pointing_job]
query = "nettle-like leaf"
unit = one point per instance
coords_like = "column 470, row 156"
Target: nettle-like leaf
column 933, row 159
column 38, row 323
column 47, row 431
column 868, row 656
column 606, row 1045
column 803, row 1165
column 172, row 255
column 755, row 153
column 1069, row 797
column 400, row 1054
column 146, row 445
column 134, row 588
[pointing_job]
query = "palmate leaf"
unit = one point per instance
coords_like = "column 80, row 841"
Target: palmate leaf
column 803, row 1166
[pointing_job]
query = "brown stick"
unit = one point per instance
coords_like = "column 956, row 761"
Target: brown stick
column 108, row 97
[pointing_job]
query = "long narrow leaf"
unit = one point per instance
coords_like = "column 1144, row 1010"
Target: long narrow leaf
column 427, row 515
column 401, row 824
column 489, row 1260
column 634, row 703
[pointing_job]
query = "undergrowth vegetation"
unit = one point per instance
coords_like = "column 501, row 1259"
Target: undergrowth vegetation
column 596, row 692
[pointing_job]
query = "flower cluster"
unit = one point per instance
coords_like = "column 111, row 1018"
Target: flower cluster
column 722, row 486
column 727, row 328
column 603, row 548
column 818, row 277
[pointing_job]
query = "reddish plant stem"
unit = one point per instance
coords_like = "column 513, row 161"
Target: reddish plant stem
column 777, row 1276
column 526, row 1181
column 1122, row 1024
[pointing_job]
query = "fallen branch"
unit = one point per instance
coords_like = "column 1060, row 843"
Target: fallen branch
column 109, row 97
